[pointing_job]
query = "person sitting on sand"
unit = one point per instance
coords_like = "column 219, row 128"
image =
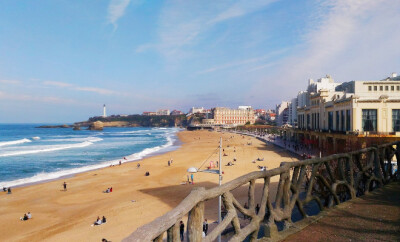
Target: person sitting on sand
column 104, row 220
column 138, row 165
column 29, row 215
column 4, row 189
column 25, row 217
column 147, row 173
column 98, row 221
column 110, row 189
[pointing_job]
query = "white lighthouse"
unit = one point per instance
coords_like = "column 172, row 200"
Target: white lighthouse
column 104, row 111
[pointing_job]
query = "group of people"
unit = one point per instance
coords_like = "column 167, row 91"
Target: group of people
column 5, row 189
column 262, row 168
column 100, row 221
column 26, row 216
column 108, row 190
column 182, row 229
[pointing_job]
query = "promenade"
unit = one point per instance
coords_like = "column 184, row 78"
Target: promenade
column 372, row 217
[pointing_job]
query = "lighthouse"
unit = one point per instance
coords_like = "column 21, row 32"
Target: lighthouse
column 104, row 111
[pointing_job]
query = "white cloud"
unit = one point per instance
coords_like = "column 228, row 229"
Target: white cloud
column 183, row 23
column 246, row 62
column 241, row 8
column 57, row 84
column 97, row 90
column 116, row 9
column 351, row 40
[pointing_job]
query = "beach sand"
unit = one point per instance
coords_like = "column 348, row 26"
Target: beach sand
column 136, row 199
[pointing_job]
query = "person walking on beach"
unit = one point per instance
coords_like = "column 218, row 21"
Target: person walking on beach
column 192, row 178
column 65, row 186
column 181, row 229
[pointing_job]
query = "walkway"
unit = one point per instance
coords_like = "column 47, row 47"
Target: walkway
column 373, row 217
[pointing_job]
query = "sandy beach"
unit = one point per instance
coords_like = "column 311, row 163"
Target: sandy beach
column 136, row 199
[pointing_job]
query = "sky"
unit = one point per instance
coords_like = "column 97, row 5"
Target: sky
column 61, row 60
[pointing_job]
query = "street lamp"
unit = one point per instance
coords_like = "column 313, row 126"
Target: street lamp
column 219, row 172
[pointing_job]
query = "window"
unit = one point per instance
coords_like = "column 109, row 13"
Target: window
column 386, row 88
column 396, row 120
column 369, row 88
column 398, row 88
column 330, row 120
column 392, row 88
column 375, row 88
column 342, row 120
column 381, row 88
column 369, row 119
column 348, row 120
column 337, row 121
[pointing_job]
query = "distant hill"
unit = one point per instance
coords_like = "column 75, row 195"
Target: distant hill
column 139, row 121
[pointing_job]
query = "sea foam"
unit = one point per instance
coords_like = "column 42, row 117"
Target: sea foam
column 15, row 142
column 46, row 148
column 43, row 176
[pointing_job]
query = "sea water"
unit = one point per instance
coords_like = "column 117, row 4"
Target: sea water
column 29, row 154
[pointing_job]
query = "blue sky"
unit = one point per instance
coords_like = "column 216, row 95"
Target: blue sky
column 60, row 60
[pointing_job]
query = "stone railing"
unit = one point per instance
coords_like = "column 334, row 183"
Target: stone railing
column 327, row 181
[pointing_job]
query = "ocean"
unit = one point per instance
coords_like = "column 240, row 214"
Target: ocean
column 29, row 154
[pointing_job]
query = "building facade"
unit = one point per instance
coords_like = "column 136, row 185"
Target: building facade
column 364, row 107
column 228, row 116
column 163, row 112
column 282, row 113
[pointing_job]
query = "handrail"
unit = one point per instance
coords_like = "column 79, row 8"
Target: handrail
column 328, row 181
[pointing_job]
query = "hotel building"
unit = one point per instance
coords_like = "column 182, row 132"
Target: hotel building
column 228, row 116
column 362, row 107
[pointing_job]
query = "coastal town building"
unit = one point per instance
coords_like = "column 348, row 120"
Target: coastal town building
column 163, row 112
column 259, row 113
column 176, row 112
column 336, row 117
column 194, row 110
column 149, row 113
column 228, row 116
column 282, row 113
column 356, row 106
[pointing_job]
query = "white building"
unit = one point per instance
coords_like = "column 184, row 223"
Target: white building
column 163, row 112
column 364, row 107
column 194, row 110
column 282, row 113
column 292, row 119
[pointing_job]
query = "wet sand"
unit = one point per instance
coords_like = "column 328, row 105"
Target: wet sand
column 136, row 199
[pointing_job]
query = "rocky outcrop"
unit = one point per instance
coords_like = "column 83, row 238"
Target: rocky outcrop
column 76, row 127
column 98, row 125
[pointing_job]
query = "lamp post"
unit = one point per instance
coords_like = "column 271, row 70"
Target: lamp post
column 219, row 172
